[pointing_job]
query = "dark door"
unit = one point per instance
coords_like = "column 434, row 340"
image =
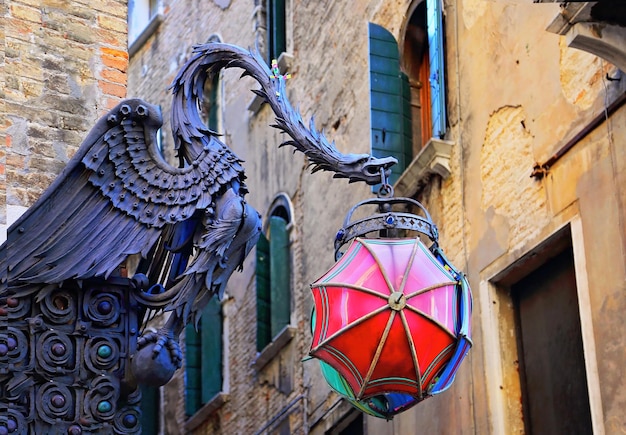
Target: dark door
column 554, row 381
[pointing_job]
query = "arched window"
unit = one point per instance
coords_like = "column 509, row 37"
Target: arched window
column 273, row 274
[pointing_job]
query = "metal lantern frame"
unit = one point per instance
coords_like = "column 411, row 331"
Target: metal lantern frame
column 383, row 398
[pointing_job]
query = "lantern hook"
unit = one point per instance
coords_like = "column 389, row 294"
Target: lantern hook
column 386, row 189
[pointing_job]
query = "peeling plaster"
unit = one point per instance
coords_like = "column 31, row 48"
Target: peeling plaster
column 473, row 10
column 505, row 160
column 581, row 75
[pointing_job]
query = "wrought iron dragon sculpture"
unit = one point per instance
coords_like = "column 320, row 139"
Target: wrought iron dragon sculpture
column 66, row 310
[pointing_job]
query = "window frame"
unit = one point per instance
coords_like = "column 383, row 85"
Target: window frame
column 140, row 29
column 280, row 326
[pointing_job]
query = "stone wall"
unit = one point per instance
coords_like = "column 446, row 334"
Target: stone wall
column 65, row 65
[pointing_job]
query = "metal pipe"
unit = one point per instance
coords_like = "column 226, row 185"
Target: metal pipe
column 540, row 169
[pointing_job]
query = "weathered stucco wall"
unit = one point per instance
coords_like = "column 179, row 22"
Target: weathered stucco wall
column 523, row 95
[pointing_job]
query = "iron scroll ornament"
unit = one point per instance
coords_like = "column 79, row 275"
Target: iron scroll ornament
column 118, row 198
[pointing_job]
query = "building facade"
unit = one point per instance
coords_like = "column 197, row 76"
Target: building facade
column 64, row 65
column 513, row 146
column 513, row 143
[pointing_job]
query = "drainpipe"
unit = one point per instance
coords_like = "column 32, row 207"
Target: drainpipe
column 541, row 169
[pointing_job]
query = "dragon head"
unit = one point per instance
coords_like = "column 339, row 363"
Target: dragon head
column 364, row 167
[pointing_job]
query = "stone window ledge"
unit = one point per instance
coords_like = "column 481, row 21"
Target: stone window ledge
column 434, row 158
column 207, row 409
column 271, row 350
column 285, row 62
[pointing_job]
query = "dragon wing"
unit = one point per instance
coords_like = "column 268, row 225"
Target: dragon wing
column 112, row 200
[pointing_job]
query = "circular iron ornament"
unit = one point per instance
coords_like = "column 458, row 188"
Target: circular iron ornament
column 54, row 402
column 74, row 430
column 59, row 307
column 17, row 307
column 127, row 420
column 103, row 308
column 57, row 352
column 13, row 423
column 101, row 398
column 14, row 348
column 102, row 353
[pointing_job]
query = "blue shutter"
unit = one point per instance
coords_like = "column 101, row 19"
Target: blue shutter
column 389, row 106
column 434, row 23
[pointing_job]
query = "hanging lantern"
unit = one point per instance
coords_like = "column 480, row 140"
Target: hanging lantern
column 391, row 318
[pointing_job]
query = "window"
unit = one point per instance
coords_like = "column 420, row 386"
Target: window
column 203, row 358
column 550, row 349
column 389, row 101
column 276, row 29
column 203, row 346
column 273, row 278
column 407, row 91
column 143, row 18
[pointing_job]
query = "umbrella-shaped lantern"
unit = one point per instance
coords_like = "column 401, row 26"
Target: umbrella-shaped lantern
column 391, row 317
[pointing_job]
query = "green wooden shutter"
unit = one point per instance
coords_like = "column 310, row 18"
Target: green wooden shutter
column 150, row 403
column 211, row 349
column 434, row 23
column 276, row 29
column 389, row 101
column 263, row 301
column 280, row 274
column 213, row 103
column 193, row 375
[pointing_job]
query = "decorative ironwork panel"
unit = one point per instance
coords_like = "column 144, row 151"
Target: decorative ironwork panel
column 64, row 357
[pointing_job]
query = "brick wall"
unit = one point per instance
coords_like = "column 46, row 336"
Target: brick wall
column 65, row 66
